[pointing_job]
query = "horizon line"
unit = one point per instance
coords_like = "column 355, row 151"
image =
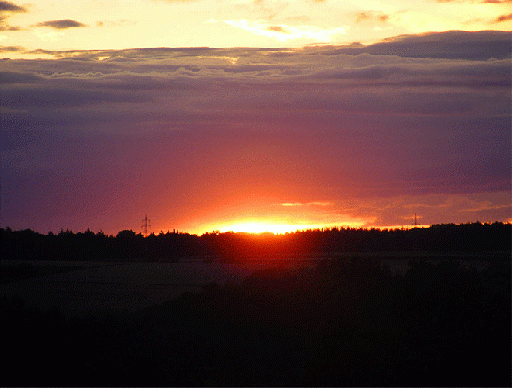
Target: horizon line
column 218, row 232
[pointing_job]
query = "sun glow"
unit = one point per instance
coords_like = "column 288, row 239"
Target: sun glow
column 257, row 227
column 275, row 225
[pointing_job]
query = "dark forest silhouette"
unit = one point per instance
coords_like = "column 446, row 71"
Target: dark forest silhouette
column 347, row 321
column 128, row 245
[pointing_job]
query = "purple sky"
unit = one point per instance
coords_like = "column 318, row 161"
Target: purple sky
column 201, row 138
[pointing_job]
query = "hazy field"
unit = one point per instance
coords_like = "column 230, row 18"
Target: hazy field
column 96, row 286
column 303, row 322
column 80, row 287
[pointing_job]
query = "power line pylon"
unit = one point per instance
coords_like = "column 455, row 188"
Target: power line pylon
column 145, row 224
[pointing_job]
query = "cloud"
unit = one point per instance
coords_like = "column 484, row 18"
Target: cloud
column 437, row 208
column 6, row 9
column 111, row 23
column 11, row 49
column 503, row 18
column 451, row 44
column 284, row 33
column 11, row 7
column 475, row 1
column 278, row 29
column 7, row 77
column 313, row 203
column 10, row 28
column 303, row 19
column 362, row 16
column 60, row 24
column 371, row 15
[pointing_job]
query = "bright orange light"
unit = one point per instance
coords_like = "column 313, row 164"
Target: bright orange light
column 273, row 227
column 277, row 224
column 261, row 227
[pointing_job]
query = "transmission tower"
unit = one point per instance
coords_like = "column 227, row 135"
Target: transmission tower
column 415, row 220
column 145, row 224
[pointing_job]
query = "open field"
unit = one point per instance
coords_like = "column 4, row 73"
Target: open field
column 81, row 287
column 423, row 319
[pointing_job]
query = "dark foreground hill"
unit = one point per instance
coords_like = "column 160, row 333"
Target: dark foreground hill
column 347, row 322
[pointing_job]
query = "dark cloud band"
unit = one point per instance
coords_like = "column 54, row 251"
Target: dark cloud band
column 61, row 24
column 7, row 6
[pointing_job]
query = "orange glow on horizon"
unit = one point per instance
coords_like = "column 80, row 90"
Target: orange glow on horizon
column 270, row 226
column 261, row 227
column 281, row 227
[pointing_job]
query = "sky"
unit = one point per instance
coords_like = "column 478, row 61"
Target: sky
column 254, row 115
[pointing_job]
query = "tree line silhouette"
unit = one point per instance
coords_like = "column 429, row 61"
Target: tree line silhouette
column 128, row 245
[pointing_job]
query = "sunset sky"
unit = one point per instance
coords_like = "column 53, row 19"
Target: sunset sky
column 250, row 115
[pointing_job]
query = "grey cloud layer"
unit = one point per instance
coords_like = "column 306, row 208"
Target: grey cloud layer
column 480, row 45
column 452, row 44
column 313, row 79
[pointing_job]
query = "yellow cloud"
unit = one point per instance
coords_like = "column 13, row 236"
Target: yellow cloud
column 315, row 203
column 284, row 33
